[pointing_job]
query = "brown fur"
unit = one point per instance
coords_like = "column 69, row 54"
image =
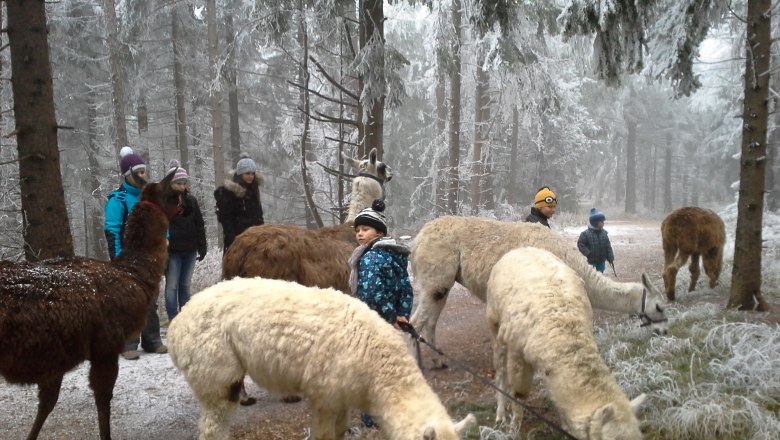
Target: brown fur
column 692, row 231
column 314, row 258
column 58, row 313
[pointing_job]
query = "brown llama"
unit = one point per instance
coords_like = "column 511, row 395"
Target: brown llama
column 58, row 313
column 692, row 231
column 314, row 258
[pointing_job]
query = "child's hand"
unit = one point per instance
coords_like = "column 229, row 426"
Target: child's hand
column 400, row 319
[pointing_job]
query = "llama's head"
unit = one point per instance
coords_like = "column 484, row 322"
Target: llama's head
column 616, row 421
column 371, row 167
column 163, row 196
column 652, row 308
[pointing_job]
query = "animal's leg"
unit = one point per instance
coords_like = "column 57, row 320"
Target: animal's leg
column 216, row 410
column 342, row 423
column 48, row 393
column 520, row 376
column 695, row 271
column 102, row 377
column 712, row 262
column 499, row 364
column 670, row 273
column 324, row 421
column 435, row 281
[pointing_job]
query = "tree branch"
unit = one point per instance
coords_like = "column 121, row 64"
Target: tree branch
column 333, row 81
column 327, row 98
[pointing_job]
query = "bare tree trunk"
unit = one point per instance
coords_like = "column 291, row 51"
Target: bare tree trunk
column 454, row 138
column 40, row 179
column 372, row 32
column 308, row 187
column 654, row 178
column 746, row 275
column 217, row 126
column 630, row 165
column 481, row 112
column 118, row 99
column 668, row 204
column 439, row 193
column 513, row 159
column 232, row 80
column 179, row 86
column 99, row 250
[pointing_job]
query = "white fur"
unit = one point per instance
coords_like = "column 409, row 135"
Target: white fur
column 293, row 339
column 365, row 189
column 464, row 249
column 541, row 320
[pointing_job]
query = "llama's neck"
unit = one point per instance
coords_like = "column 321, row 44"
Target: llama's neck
column 364, row 192
column 605, row 293
column 145, row 247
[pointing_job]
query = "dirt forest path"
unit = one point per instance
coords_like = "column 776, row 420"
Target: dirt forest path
column 152, row 401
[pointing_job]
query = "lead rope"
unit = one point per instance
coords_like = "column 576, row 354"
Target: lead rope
column 408, row 328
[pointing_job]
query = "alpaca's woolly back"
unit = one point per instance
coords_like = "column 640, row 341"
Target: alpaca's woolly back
column 290, row 338
column 316, row 257
column 543, row 315
column 475, row 244
column 693, row 230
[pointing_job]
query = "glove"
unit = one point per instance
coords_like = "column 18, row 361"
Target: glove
column 201, row 255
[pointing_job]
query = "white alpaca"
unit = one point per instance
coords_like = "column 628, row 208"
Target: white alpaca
column 542, row 321
column 367, row 186
column 464, row 249
column 292, row 339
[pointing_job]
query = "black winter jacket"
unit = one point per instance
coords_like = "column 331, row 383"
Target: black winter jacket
column 536, row 216
column 187, row 232
column 237, row 211
column 594, row 244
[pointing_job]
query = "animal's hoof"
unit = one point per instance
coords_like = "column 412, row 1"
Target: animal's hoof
column 291, row 399
column 131, row 355
column 249, row 401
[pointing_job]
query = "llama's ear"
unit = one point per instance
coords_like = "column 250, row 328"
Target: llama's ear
column 355, row 164
column 605, row 414
column 372, row 156
column 650, row 286
column 637, row 402
column 468, row 422
column 166, row 182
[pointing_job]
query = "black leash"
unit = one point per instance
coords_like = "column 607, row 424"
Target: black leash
column 408, row 328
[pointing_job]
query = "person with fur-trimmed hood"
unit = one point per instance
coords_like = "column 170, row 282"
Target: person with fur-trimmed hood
column 238, row 200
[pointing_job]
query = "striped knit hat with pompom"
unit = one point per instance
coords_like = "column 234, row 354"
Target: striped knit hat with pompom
column 373, row 217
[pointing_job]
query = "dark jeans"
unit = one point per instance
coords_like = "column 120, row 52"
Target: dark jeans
column 178, row 280
column 150, row 335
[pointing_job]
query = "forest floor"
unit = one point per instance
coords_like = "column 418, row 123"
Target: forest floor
column 152, row 401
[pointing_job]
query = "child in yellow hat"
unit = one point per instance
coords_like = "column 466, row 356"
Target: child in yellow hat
column 544, row 206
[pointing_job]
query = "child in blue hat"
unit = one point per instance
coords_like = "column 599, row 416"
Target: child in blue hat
column 594, row 242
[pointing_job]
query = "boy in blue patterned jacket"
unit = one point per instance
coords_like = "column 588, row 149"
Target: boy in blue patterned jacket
column 378, row 274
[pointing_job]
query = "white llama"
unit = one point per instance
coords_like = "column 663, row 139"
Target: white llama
column 367, row 186
column 464, row 249
column 542, row 321
column 319, row 343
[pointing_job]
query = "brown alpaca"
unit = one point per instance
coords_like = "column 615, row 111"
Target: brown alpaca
column 315, row 258
column 58, row 313
column 692, row 231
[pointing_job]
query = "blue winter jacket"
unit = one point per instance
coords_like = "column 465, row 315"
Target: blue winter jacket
column 383, row 281
column 119, row 205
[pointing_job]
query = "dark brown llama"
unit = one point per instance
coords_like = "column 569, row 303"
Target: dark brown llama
column 58, row 313
column 315, row 258
column 692, row 231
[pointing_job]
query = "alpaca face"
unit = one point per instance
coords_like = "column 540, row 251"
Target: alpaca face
column 371, row 166
column 653, row 308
